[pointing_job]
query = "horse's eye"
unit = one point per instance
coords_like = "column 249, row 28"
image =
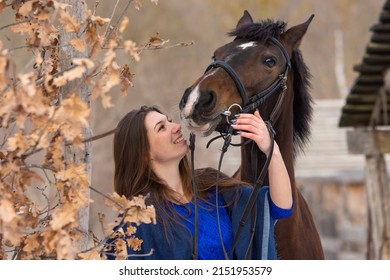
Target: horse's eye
column 270, row 62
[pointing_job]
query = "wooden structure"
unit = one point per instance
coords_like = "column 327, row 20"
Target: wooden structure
column 367, row 111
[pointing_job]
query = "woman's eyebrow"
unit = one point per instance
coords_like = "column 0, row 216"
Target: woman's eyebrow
column 159, row 122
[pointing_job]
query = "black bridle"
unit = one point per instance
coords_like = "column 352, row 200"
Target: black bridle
column 249, row 106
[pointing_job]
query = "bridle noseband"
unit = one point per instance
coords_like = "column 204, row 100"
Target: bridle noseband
column 249, row 106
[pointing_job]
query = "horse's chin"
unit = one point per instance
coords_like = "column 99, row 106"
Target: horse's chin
column 206, row 129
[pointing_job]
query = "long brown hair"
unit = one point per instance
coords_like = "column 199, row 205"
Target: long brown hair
column 135, row 176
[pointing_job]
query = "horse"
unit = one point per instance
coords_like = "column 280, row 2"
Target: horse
column 262, row 68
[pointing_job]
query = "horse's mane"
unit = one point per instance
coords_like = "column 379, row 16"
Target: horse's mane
column 302, row 106
column 259, row 31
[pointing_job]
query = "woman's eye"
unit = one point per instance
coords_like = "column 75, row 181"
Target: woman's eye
column 213, row 57
column 161, row 128
column 270, row 62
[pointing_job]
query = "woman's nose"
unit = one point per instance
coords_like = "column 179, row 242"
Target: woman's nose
column 176, row 127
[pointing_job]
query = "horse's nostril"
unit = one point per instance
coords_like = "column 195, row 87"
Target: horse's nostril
column 207, row 99
column 184, row 99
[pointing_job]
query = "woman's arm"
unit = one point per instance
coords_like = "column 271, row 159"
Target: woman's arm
column 253, row 127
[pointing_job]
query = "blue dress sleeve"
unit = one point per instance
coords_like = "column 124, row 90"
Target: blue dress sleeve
column 278, row 213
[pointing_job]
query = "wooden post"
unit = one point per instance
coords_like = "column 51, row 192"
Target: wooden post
column 374, row 144
column 73, row 154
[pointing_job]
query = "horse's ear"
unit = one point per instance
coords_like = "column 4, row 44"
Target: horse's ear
column 294, row 35
column 245, row 19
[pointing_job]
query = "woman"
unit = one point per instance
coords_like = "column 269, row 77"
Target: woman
column 150, row 155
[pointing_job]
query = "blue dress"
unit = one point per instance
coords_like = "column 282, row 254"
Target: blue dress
column 156, row 246
column 210, row 245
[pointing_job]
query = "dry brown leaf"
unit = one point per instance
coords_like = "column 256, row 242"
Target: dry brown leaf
column 130, row 47
column 120, row 249
column 63, row 216
column 66, row 249
column 31, row 243
column 73, row 171
column 137, row 4
column 93, row 254
column 83, row 61
column 3, row 5
column 13, row 233
column 19, row 143
column 124, row 24
column 126, row 78
column 134, row 243
column 70, row 22
column 131, row 230
column 27, row 82
column 26, row 8
column 7, row 211
column 24, row 27
column 59, row 6
column 99, row 20
column 73, row 115
column 156, row 41
column 9, row 103
column 50, row 240
column 78, row 44
column 47, row 34
column 70, row 75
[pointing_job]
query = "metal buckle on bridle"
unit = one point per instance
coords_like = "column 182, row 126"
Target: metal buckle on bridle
column 283, row 81
column 228, row 112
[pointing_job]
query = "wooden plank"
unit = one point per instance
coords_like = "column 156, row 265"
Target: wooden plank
column 378, row 48
column 364, row 98
column 376, row 59
column 368, row 142
column 369, row 69
column 381, row 27
column 360, row 108
column 384, row 17
column 378, row 203
column 354, row 120
column 370, row 79
column 380, row 38
column 365, row 88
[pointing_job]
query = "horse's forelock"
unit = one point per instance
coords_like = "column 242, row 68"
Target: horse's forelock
column 259, row 31
column 303, row 102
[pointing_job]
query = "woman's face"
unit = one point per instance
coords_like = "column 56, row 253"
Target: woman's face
column 165, row 138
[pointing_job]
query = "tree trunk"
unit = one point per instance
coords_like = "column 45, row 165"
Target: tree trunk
column 73, row 154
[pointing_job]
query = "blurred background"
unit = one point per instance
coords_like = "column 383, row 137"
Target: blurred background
column 331, row 180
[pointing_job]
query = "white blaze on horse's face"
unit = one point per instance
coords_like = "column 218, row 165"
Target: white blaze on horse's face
column 192, row 100
column 247, row 45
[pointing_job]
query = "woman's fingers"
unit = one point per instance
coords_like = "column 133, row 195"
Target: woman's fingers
column 253, row 127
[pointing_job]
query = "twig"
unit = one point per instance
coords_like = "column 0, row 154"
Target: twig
column 112, row 16
column 106, row 196
column 12, row 24
column 96, row 137
column 117, row 22
column 32, row 165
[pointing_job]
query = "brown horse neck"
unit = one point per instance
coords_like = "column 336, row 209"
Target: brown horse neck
column 250, row 155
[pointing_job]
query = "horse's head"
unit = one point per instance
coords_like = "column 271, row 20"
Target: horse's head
column 256, row 58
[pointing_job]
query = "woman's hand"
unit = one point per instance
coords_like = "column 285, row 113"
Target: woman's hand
column 253, row 127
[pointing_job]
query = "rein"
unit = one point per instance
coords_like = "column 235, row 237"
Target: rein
column 249, row 105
